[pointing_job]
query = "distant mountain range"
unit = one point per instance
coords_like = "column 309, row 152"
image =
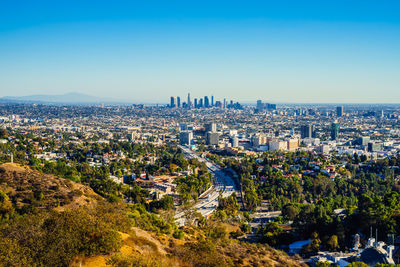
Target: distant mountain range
column 70, row 98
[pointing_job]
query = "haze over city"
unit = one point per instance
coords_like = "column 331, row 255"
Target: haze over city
column 144, row 52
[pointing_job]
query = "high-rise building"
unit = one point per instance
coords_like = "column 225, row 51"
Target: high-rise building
column 335, row 131
column 195, row 103
column 362, row 141
column 212, row 100
column 235, row 141
column 306, row 131
column 259, row 105
column 339, row 111
column 212, row 138
column 206, row 102
column 186, row 138
column 183, row 126
column 201, row 103
column 293, row 144
column 274, row 145
column 258, row 140
column 178, row 101
column 189, row 103
column 210, row 127
column 372, row 147
column 172, row 104
column 186, row 127
column 381, row 114
column 224, row 102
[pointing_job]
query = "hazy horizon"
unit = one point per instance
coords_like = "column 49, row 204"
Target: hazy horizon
column 286, row 52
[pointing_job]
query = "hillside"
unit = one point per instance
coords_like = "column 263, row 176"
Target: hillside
column 28, row 189
column 50, row 221
column 142, row 248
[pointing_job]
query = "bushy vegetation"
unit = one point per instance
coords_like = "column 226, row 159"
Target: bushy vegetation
column 55, row 238
column 367, row 191
column 138, row 260
column 190, row 188
column 149, row 221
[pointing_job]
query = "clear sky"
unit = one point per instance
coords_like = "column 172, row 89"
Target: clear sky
column 145, row 51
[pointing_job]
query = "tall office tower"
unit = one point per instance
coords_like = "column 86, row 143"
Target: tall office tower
column 178, row 101
column 259, row 105
column 372, row 147
column 334, row 130
column 212, row 100
column 201, row 103
column 186, row 138
column 186, row 127
column 212, row 138
column 183, row 126
column 306, row 131
column 258, row 140
column 195, row 103
column 235, row 141
column 206, row 102
column 381, row 114
column 224, row 102
column 362, row 141
column 339, row 111
column 211, row 127
column 172, row 104
column 189, row 104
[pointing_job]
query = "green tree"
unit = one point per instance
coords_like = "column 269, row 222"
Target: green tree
column 333, row 243
column 6, row 208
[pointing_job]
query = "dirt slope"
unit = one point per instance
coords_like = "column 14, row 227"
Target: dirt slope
column 28, row 189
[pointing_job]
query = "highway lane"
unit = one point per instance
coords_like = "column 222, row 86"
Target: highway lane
column 221, row 183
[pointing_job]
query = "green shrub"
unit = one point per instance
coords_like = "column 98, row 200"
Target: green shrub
column 178, row 234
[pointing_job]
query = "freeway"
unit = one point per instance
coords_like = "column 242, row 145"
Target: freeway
column 221, row 183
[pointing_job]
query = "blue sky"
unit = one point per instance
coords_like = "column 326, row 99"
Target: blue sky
column 145, row 51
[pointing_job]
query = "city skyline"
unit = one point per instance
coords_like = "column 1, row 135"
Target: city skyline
column 304, row 52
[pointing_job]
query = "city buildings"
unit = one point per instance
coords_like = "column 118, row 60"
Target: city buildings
column 172, row 104
column 293, row 144
column 307, row 131
column 260, row 106
column 334, row 130
column 212, row 138
column 205, row 102
column 339, row 111
column 189, row 103
column 210, row 127
column 186, row 138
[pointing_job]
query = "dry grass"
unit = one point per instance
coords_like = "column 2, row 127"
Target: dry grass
column 22, row 183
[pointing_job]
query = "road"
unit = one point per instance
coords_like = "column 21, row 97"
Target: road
column 263, row 217
column 221, row 183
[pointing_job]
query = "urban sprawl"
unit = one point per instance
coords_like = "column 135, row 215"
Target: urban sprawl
column 318, row 180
